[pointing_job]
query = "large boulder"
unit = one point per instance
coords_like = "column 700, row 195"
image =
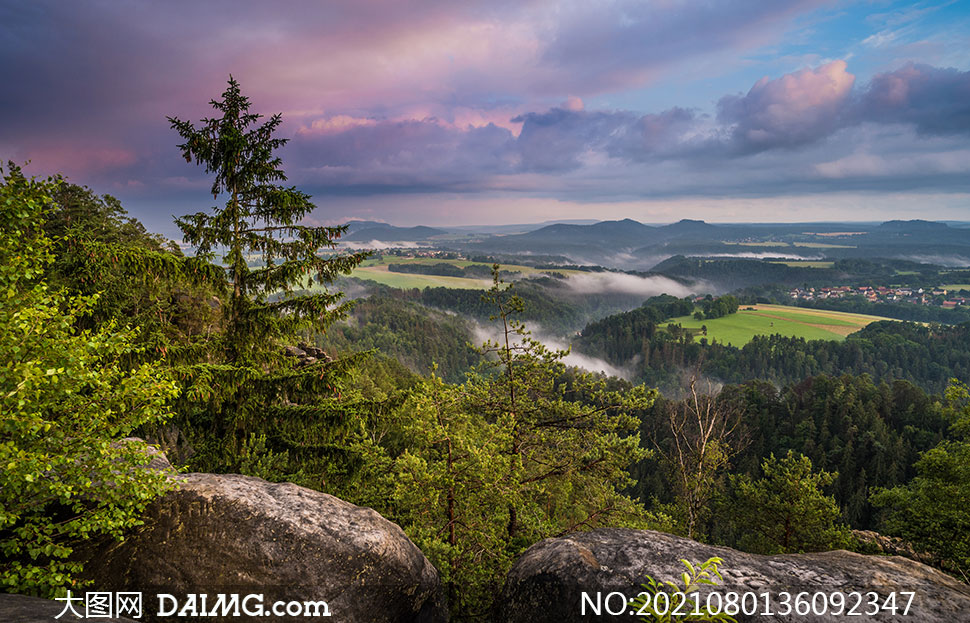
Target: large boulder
column 22, row 609
column 548, row 582
column 233, row 534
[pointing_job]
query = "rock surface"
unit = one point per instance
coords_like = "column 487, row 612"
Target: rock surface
column 237, row 534
column 546, row 583
column 22, row 609
column 890, row 546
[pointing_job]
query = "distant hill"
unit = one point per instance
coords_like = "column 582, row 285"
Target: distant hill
column 631, row 245
column 623, row 233
column 353, row 226
column 692, row 228
column 912, row 226
column 389, row 233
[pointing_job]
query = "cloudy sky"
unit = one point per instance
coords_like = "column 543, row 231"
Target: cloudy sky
column 447, row 113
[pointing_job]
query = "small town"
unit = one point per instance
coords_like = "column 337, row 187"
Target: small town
column 939, row 297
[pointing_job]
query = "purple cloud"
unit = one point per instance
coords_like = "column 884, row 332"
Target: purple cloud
column 802, row 122
column 793, row 110
column 934, row 100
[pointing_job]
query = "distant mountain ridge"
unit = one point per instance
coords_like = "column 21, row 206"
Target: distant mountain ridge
column 365, row 231
column 630, row 244
column 914, row 224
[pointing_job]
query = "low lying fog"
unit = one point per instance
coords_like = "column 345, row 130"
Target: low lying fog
column 481, row 333
column 622, row 283
column 949, row 261
column 766, row 255
column 376, row 245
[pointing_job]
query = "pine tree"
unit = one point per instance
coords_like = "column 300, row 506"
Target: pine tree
column 248, row 396
column 572, row 440
column 786, row 511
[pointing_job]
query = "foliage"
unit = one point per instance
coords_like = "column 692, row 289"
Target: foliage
column 472, row 271
column 571, row 452
column 619, row 337
column 869, row 434
column 66, row 396
column 720, row 307
column 925, row 355
column 700, row 435
column 785, row 511
column 244, row 388
column 450, row 488
column 706, row 573
column 415, row 335
column 139, row 277
column 931, row 510
column 520, row 452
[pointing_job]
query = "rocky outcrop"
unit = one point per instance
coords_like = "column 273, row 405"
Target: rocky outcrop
column 22, row 609
column 233, row 534
column 306, row 354
column 875, row 543
column 547, row 583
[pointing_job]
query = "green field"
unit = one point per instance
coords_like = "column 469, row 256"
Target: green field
column 380, row 274
column 812, row 324
column 950, row 287
column 376, row 270
column 805, row 263
column 822, row 245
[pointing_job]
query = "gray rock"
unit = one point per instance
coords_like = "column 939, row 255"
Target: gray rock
column 225, row 534
column 547, row 582
column 23, row 609
column 293, row 351
column 876, row 543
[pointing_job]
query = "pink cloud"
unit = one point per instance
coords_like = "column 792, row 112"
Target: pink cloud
column 795, row 109
column 80, row 161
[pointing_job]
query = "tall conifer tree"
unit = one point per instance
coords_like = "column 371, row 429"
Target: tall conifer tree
column 248, row 394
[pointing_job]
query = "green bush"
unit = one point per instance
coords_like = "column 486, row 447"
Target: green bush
column 66, row 398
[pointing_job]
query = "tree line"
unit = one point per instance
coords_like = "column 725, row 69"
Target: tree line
column 928, row 356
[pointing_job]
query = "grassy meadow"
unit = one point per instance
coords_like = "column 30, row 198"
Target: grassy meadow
column 805, row 263
column 376, row 270
column 812, row 324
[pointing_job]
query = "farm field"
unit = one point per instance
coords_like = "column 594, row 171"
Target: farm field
column 812, row 324
column 822, row 245
column 376, row 270
column 380, row 274
column 805, row 263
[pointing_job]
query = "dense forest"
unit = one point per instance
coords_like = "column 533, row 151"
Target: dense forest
column 869, row 434
column 472, row 271
column 773, row 278
column 476, row 450
column 547, row 302
column 928, row 356
column 417, row 336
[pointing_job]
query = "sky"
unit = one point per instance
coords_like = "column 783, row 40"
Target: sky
column 487, row 112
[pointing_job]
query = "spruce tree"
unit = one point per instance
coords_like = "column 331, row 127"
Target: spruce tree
column 249, row 399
